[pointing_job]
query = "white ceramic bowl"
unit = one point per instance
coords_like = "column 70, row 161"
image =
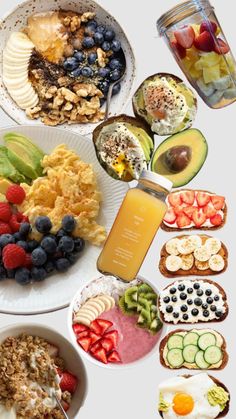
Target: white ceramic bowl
column 17, row 18
column 72, row 358
column 87, row 356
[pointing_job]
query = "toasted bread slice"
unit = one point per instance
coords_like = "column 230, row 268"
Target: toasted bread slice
column 174, row 228
column 166, row 338
column 221, row 292
column 193, row 271
column 220, row 384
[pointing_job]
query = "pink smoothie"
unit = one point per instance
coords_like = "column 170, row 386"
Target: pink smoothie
column 133, row 342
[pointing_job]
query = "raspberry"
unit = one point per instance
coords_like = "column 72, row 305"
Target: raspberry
column 5, row 228
column 13, row 256
column 15, row 194
column 14, row 223
column 5, row 212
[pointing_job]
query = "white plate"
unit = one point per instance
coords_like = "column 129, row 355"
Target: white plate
column 17, row 18
column 57, row 291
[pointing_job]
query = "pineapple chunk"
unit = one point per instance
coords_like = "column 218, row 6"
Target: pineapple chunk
column 196, row 29
column 211, row 74
column 208, row 60
column 187, row 63
column 195, row 74
column 224, row 68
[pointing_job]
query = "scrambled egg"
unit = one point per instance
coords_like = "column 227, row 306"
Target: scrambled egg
column 68, row 187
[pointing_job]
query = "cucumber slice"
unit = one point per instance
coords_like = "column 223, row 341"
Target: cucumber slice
column 189, row 353
column 175, row 341
column 200, row 361
column 213, row 354
column 175, row 358
column 206, row 340
column 191, row 339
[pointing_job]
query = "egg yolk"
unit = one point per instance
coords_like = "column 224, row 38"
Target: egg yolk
column 183, row 404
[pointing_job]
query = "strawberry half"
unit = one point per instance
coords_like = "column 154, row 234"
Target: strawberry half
column 97, row 345
column 189, row 210
column 68, row 382
column 113, row 336
column 100, row 355
column 183, row 221
column 107, row 344
column 216, row 220
column 218, row 202
column 202, row 199
column 185, row 36
column 199, row 218
column 114, row 357
column 94, row 337
column 209, row 210
column 188, row 197
column 94, row 327
column 78, row 328
column 174, row 199
column 221, row 47
column 170, row 216
column 205, row 42
column 104, row 325
column 84, row 334
column 178, row 49
column 85, row 342
column 209, row 26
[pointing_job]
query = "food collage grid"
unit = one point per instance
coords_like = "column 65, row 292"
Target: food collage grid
column 116, row 210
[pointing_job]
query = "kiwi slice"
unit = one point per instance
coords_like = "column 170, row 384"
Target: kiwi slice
column 144, row 288
column 143, row 303
column 151, row 296
column 155, row 325
column 131, row 297
column 144, row 319
column 153, row 312
column 124, row 308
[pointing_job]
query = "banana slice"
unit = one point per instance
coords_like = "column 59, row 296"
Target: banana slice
column 108, row 301
column 90, row 307
column 88, row 313
column 201, row 266
column 202, row 254
column 83, row 319
column 187, row 262
column 101, row 303
column 216, row 263
column 173, row 263
column 172, row 247
column 195, row 240
column 185, row 246
column 94, row 304
column 213, row 245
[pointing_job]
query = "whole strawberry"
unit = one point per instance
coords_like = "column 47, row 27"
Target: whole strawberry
column 15, row 194
column 5, row 212
column 13, row 256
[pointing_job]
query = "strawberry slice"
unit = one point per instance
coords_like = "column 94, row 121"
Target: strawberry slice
column 199, row 218
column 104, row 325
column 216, row 220
column 94, row 337
column 179, row 209
column 94, row 327
column 202, row 199
column 170, row 216
column 68, row 382
column 209, row 210
column 218, row 202
column 114, row 357
column 188, row 197
column 174, row 199
column 113, row 335
column 107, row 344
column 221, row 47
column 84, row 334
column 65, row 405
column 78, row 328
column 185, row 36
column 97, row 345
column 205, row 42
column 85, row 342
column 100, row 355
column 209, row 26
column 178, row 49
column 189, row 210
column 183, row 221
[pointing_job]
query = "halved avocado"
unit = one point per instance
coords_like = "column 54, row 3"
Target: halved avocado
column 122, row 168
column 156, row 105
column 181, row 156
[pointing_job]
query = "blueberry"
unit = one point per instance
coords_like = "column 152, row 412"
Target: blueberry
column 76, row 73
column 208, row 292
column 219, row 313
column 195, row 311
column 61, row 233
column 70, row 64
column 80, row 56
column 66, row 244
column 87, row 72
column 38, row 256
column 32, row 244
column 23, row 244
column 102, row 101
column 62, row 264
column 38, row 274
column 189, row 302
column 104, row 86
column 184, row 308
column 209, row 300
column 49, row 266
column 25, row 229
column 17, row 236
column 72, row 257
column 11, row 273
column 206, row 313
column 109, row 35
column 3, row 273
column 98, row 38
column 6, row 239
column 115, row 75
column 115, row 45
column 173, row 290
column 116, row 89
column 88, row 42
column 213, row 308
column 176, row 315
column 198, row 302
column 174, row 299
column 183, row 296
column 216, row 298
column 101, row 29
column 166, row 299
column 196, row 286
column 205, row 306
column 103, row 72
column 115, row 64
column 90, row 28
column 199, row 293
column 106, row 46
column 169, row 309
column 49, row 244
column 22, row 276
column 185, row 317
column 79, row 244
column 189, row 290
column 68, row 223
column 43, row 224
column 181, row 287
column 92, row 58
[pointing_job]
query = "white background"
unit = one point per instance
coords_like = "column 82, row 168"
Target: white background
column 132, row 393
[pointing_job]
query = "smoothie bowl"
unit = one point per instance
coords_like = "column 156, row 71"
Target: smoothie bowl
column 37, row 364
column 114, row 323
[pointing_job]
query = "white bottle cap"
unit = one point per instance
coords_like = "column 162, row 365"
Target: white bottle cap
column 158, row 179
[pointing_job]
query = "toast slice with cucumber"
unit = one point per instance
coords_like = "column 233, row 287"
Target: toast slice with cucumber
column 209, row 257
column 195, row 349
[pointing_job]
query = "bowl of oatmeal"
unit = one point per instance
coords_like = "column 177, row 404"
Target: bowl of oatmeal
column 36, row 363
column 58, row 60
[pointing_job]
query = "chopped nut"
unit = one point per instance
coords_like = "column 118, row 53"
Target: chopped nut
column 68, row 106
column 69, row 95
column 87, row 16
column 102, row 57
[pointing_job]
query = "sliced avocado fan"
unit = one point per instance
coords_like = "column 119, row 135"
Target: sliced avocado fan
column 7, row 169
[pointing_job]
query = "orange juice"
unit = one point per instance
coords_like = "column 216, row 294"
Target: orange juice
column 134, row 229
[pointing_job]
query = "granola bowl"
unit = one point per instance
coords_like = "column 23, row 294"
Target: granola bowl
column 73, row 362
column 67, row 81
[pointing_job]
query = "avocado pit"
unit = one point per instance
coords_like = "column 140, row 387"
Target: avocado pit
column 177, row 158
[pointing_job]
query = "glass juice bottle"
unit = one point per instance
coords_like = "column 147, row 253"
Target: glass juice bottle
column 135, row 226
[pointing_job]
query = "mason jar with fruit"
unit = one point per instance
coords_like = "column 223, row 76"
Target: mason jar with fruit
column 195, row 37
